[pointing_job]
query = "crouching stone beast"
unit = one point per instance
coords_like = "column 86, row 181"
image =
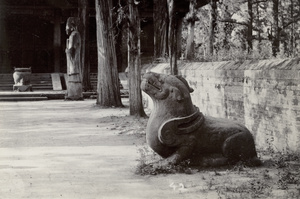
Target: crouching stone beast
column 177, row 130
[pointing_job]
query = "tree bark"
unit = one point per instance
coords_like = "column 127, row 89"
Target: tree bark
column 83, row 12
column 259, row 38
column 172, row 37
column 250, row 26
column 213, row 24
column 108, row 86
column 292, row 39
column 190, row 51
column 160, row 17
column 190, row 45
column 134, row 61
column 275, row 42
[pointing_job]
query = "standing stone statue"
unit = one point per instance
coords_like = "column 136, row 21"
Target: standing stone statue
column 73, row 48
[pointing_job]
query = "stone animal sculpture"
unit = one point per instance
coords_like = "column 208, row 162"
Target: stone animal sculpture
column 178, row 131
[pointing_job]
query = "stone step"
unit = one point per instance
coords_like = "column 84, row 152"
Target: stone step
column 12, row 96
column 6, row 87
column 23, row 98
column 39, row 81
column 34, row 87
column 22, row 94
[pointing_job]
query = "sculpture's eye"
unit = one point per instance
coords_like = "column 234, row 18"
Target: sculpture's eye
column 176, row 94
column 161, row 80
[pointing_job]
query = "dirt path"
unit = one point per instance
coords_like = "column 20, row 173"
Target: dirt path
column 62, row 149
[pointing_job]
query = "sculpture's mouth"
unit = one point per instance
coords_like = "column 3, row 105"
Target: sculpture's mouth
column 151, row 83
column 155, row 85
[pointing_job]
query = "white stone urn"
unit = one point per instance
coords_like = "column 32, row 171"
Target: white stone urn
column 22, row 76
column 22, row 79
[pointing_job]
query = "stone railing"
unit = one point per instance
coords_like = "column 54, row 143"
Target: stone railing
column 263, row 95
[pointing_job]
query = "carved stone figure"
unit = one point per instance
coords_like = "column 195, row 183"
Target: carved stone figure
column 22, row 79
column 73, row 49
column 177, row 130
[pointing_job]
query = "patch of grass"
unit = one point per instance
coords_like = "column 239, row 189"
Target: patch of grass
column 251, row 189
column 150, row 164
column 279, row 174
column 156, row 168
column 266, row 174
column 287, row 177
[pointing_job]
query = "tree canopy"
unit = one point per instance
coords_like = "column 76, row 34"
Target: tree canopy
column 246, row 29
column 203, row 30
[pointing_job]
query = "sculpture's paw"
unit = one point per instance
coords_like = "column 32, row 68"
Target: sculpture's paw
column 162, row 164
column 145, row 169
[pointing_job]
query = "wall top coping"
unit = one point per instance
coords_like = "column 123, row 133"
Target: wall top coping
column 270, row 64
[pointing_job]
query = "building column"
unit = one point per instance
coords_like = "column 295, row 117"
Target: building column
column 57, row 40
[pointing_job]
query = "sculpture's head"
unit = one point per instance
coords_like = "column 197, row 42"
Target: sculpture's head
column 166, row 87
column 72, row 24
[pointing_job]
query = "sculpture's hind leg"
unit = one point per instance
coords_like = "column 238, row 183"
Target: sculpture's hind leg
column 240, row 146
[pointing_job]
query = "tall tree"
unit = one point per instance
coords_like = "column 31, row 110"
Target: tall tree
column 172, row 36
column 258, row 23
column 160, row 19
column 177, row 9
column 290, row 16
column 83, row 12
column 191, row 19
column 276, row 41
column 292, row 34
column 250, row 26
column 213, row 25
column 108, row 86
column 134, row 60
column 245, row 19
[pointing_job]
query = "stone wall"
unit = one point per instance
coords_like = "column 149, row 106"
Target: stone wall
column 263, row 95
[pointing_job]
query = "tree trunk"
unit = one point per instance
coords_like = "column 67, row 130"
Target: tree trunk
column 83, row 12
column 172, row 37
column 108, row 86
column 190, row 45
column 292, row 37
column 119, row 48
column 134, row 61
column 250, row 26
column 191, row 18
column 120, row 33
column 160, row 17
column 179, row 36
column 213, row 24
column 275, row 42
column 259, row 26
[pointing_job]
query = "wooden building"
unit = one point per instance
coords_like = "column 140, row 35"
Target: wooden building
column 32, row 34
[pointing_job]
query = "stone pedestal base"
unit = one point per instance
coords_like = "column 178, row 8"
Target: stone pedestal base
column 74, row 87
column 22, row 88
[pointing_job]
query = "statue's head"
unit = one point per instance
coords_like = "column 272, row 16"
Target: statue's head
column 161, row 87
column 72, row 24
